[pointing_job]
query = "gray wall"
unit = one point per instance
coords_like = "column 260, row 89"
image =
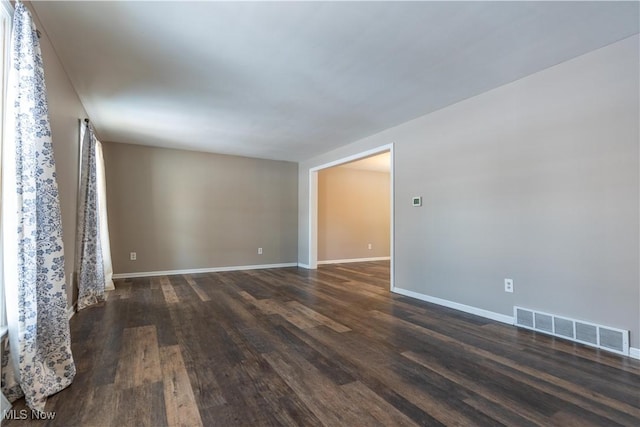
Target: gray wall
column 186, row 210
column 536, row 181
column 353, row 212
column 65, row 110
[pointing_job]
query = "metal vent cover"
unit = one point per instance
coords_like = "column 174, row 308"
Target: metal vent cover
column 524, row 317
column 544, row 322
column 586, row 333
column 611, row 339
column 563, row 327
column 604, row 337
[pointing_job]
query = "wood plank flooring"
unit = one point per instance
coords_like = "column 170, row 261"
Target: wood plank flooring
column 330, row 347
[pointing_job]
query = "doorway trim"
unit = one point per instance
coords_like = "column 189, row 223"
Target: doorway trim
column 313, row 205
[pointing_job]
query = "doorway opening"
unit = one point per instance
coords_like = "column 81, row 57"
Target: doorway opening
column 356, row 161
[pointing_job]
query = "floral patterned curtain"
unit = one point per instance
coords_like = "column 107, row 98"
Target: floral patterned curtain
column 41, row 362
column 91, row 280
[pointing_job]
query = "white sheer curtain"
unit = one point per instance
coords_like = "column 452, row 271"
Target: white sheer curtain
column 6, row 14
column 101, row 183
column 5, row 405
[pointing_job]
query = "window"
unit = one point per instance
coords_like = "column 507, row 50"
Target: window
column 6, row 13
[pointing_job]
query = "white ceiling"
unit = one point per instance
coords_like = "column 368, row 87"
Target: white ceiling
column 290, row 80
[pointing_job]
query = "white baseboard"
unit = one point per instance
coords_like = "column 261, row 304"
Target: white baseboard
column 344, row 261
column 203, row 270
column 307, row 266
column 457, row 306
column 633, row 352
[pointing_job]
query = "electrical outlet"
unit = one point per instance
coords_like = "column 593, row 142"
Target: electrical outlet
column 370, row 246
column 259, row 251
column 133, row 256
column 508, row 285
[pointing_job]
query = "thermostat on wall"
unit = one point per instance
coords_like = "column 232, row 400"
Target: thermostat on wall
column 416, row 201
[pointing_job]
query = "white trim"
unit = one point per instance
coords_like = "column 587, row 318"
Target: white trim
column 313, row 205
column 634, row 352
column 307, row 266
column 392, row 229
column 313, row 219
column 377, row 150
column 203, row 270
column 344, row 261
column 457, row 306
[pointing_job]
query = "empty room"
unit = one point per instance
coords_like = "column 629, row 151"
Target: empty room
column 320, row 213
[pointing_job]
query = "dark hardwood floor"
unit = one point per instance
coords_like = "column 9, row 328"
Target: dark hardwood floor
column 329, row 347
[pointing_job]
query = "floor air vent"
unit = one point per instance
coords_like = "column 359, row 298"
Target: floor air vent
column 604, row 337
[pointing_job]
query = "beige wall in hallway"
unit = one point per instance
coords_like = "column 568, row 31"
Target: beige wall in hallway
column 187, row 210
column 353, row 211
